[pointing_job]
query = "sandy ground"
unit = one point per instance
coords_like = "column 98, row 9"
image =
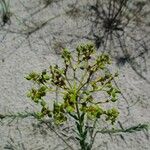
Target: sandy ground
column 32, row 40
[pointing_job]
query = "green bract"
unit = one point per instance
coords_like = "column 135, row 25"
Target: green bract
column 84, row 73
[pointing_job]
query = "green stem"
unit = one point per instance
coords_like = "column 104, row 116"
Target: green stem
column 80, row 126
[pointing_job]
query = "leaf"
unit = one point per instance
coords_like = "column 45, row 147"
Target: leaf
column 78, row 138
column 139, row 127
column 85, row 133
column 82, row 117
column 79, row 127
column 74, row 116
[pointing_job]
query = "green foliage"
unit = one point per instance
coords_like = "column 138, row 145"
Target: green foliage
column 139, row 127
column 77, row 81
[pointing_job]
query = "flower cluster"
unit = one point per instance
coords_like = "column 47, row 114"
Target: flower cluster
column 77, row 94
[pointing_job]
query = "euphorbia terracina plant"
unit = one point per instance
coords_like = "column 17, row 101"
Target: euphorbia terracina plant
column 84, row 73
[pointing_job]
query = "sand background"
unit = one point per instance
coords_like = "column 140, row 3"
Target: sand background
column 32, row 40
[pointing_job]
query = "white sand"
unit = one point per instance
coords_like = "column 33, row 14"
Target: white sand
column 21, row 53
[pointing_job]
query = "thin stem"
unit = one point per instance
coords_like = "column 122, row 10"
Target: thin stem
column 92, row 133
